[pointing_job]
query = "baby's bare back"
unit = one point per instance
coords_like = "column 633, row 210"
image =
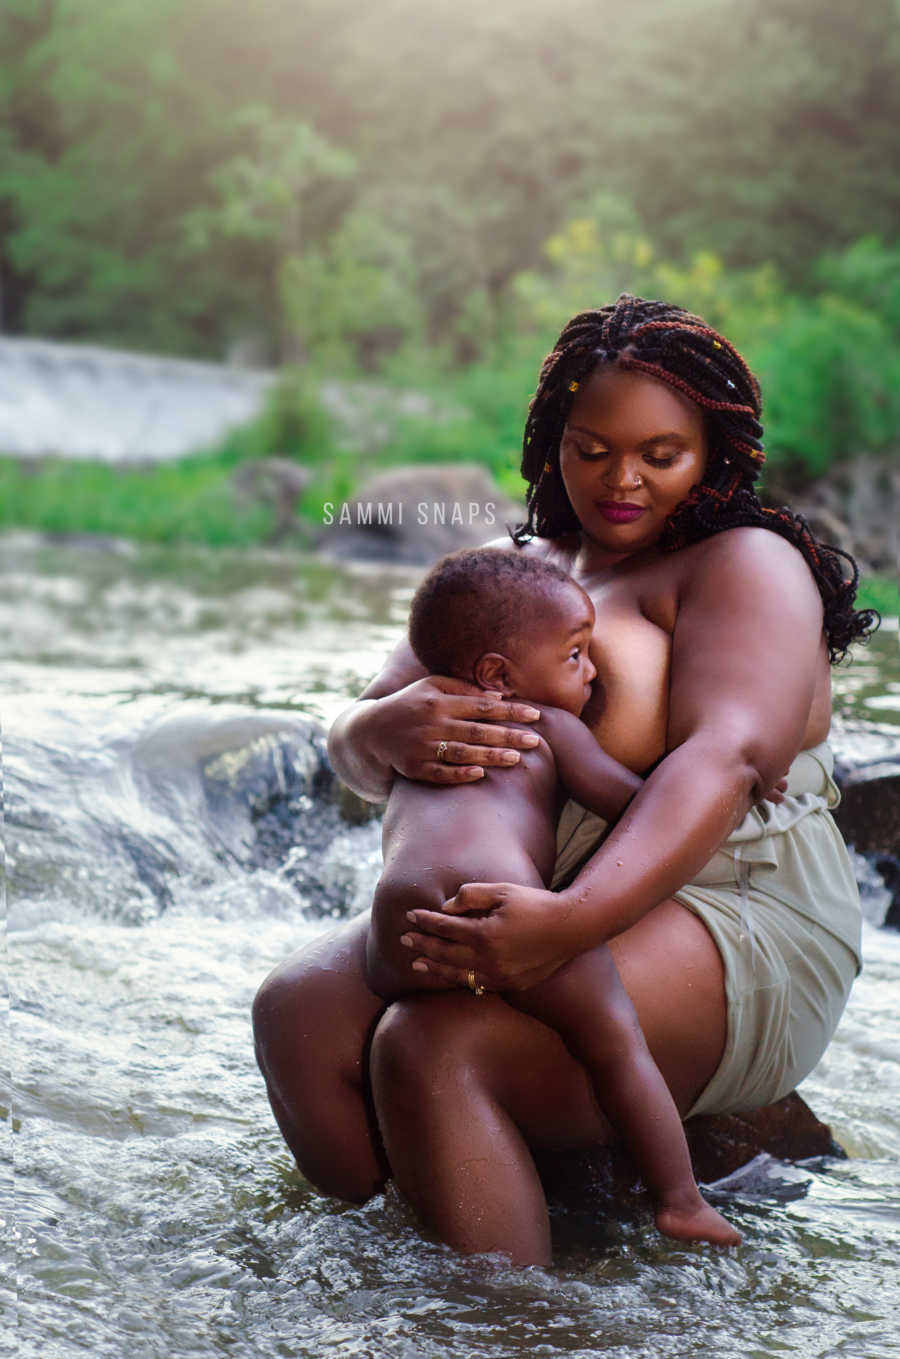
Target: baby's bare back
column 435, row 838
column 501, row 829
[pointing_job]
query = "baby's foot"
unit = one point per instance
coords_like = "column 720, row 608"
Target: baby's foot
column 696, row 1221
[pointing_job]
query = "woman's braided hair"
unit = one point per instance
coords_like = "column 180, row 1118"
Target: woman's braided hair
column 677, row 348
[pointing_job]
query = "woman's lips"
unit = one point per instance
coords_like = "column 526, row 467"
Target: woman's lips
column 618, row 511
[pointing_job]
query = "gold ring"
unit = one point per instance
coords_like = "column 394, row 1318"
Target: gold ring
column 473, row 984
column 441, row 756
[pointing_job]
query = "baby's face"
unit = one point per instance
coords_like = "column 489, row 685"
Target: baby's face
column 554, row 666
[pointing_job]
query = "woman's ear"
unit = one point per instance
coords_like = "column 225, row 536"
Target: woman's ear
column 491, row 671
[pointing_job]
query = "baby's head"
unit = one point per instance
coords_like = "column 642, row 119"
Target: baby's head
column 508, row 622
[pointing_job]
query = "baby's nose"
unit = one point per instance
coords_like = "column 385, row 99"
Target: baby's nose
column 591, row 671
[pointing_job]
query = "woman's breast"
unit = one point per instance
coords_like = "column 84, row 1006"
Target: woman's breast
column 628, row 713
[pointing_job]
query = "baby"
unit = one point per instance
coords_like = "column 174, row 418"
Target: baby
column 521, row 627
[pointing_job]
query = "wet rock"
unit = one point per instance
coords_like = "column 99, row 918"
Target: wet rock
column 416, row 514
column 869, row 820
column 867, row 771
column 889, row 868
column 719, row 1145
column 788, row 1130
column 354, row 809
column 855, row 506
column 276, row 804
column 869, row 814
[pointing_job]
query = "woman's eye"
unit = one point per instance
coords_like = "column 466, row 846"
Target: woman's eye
column 586, row 450
column 661, row 459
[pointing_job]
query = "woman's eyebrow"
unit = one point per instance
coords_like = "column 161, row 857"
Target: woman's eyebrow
column 675, row 436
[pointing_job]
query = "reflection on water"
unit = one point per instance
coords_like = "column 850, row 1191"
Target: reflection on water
column 157, row 1212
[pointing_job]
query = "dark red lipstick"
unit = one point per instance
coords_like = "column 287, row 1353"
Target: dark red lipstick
column 619, row 511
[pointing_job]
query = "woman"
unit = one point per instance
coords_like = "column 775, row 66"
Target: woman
column 735, row 927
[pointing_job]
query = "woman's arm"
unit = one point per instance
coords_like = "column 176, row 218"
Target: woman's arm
column 746, row 652
column 402, row 717
column 747, row 647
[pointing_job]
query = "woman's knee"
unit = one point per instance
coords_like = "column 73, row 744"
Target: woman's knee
column 443, row 1057
column 279, row 1007
column 312, row 1018
column 426, row 1046
column 313, row 1011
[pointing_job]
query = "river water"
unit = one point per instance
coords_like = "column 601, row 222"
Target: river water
column 156, row 1212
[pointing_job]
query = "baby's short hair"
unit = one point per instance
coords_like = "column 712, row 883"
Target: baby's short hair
column 479, row 600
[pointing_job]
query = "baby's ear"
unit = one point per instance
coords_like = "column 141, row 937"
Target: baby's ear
column 491, row 671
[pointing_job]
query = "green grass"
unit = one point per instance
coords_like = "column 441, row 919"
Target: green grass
column 188, row 501
column 881, row 593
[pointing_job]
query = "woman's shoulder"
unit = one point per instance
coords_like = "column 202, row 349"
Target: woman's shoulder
column 559, row 551
column 750, row 566
column 751, row 548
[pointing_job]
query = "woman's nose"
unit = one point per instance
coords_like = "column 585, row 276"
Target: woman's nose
column 622, row 474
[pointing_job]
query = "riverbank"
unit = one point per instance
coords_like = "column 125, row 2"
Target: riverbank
column 208, row 500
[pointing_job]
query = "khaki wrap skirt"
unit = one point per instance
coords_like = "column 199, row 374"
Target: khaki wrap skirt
column 781, row 902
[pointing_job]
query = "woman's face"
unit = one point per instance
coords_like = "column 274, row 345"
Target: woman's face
column 631, row 451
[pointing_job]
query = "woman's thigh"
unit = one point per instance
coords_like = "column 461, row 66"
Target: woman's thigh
column 673, row 973
column 314, row 1017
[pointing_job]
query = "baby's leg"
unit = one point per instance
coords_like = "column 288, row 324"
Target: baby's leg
column 587, row 1005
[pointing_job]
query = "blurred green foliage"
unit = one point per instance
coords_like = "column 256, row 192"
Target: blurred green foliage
column 355, row 181
column 190, row 501
column 881, row 593
column 422, row 194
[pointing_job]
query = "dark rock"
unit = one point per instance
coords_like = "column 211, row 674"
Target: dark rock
column 855, row 506
column 869, row 813
column 719, row 1145
column 889, row 868
column 416, row 514
column 869, row 817
column 788, row 1130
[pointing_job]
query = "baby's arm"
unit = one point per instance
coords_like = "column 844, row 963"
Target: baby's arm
column 591, row 777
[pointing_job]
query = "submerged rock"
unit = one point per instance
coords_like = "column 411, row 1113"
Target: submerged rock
column 720, row 1144
column 787, row 1130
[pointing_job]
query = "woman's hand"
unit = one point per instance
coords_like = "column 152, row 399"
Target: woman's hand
column 510, row 936
column 776, row 793
column 441, row 730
